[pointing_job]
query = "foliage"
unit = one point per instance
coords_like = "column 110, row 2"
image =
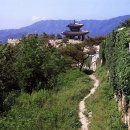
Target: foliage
column 8, row 81
column 105, row 115
column 120, row 63
column 117, row 57
column 49, row 110
column 44, row 39
column 28, row 66
column 76, row 54
column 52, row 36
column 79, row 54
column 125, row 24
column 94, row 41
column 102, row 53
column 37, row 66
column 58, row 36
column 65, row 40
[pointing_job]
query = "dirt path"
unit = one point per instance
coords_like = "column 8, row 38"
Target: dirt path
column 83, row 119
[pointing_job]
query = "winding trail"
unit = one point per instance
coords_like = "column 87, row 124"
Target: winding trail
column 83, row 119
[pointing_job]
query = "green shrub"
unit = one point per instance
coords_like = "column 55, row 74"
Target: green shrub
column 105, row 115
column 49, row 110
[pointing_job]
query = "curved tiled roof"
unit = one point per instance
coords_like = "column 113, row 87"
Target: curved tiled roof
column 75, row 25
column 75, row 33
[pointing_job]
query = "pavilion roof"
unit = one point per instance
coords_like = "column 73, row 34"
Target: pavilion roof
column 75, row 25
column 70, row 33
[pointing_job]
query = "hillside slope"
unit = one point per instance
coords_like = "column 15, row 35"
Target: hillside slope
column 95, row 27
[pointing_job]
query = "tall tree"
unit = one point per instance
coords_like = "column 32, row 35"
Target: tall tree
column 8, row 81
column 77, row 54
column 58, row 36
column 37, row 66
column 44, row 39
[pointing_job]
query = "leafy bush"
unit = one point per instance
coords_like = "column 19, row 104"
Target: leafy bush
column 105, row 115
column 8, row 80
column 49, row 110
column 125, row 24
column 28, row 66
column 117, row 58
column 37, row 66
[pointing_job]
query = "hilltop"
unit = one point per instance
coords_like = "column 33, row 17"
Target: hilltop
column 95, row 27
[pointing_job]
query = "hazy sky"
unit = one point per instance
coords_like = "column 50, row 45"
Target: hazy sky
column 18, row 13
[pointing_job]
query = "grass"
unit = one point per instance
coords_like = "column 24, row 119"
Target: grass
column 49, row 110
column 105, row 114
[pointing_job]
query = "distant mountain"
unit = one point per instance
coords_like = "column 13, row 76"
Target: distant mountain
column 95, row 27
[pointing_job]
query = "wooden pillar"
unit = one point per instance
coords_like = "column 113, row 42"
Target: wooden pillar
column 83, row 37
column 78, row 37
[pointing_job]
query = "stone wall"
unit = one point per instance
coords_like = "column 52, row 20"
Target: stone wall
column 125, row 114
column 95, row 58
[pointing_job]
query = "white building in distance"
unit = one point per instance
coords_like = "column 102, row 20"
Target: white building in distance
column 13, row 41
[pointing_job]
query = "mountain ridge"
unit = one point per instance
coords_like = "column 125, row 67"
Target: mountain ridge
column 95, row 27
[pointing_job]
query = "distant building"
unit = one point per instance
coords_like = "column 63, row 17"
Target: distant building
column 75, row 32
column 13, row 41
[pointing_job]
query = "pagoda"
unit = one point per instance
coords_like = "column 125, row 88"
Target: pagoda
column 75, row 32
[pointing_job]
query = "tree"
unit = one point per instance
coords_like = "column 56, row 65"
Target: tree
column 65, row 40
column 115, row 53
column 76, row 54
column 52, row 36
column 37, row 66
column 94, row 41
column 58, row 36
column 8, row 80
column 79, row 53
column 44, row 39
column 125, row 24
